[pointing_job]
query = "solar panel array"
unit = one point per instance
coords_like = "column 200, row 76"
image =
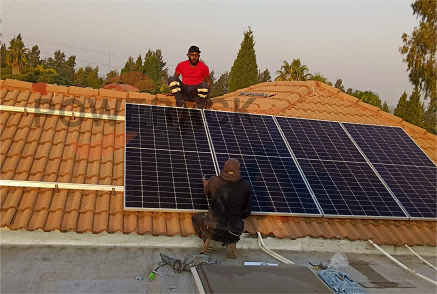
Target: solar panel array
column 342, row 180
column 406, row 169
column 265, row 161
column 295, row 166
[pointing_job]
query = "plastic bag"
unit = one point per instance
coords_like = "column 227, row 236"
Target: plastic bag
column 198, row 259
column 338, row 260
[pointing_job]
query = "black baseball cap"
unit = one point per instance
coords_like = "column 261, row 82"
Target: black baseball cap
column 194, row 49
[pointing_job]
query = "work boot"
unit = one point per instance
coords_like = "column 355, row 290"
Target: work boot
column 231, row 251
column 208, row 245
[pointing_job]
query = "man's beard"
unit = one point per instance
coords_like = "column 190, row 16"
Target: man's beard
column 194, row 62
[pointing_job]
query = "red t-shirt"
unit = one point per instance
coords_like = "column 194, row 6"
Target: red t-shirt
column 192, row 75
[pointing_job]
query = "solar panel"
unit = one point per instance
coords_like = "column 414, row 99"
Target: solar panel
column 265, row 161
column 406, row 169
column 415, row 187
column 315, row 139
column 349, row 188
column 342, row 180
column 166, row 158
column 387, row 145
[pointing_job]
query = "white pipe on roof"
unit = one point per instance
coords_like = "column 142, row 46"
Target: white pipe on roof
column 270, row 252
column 401, row 264
column 58, row 185
column 61, row 112
column 425, row 261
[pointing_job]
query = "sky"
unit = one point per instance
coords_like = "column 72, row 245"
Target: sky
column 356, row 41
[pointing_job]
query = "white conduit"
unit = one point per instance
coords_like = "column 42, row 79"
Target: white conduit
column 402, row 265
column 270, row 252
column 425, row 261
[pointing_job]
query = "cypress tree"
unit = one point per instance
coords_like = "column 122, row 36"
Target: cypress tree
column 413, row 115
column 244, row 72
column 401, row 108
column 385, row 107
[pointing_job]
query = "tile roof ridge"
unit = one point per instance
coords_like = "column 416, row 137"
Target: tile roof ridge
column 44, row 89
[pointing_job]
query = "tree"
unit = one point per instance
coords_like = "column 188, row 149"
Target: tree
column 296, row 71
column 16, row 55
column 154, row 67
column 320, row 78
column 413, row 114
column 385, row 107
column 264, row 76
column 145, row 85
column 88, row 77
column 138, row 64
column 339, row 85
column 221, row 86
column 133, row 77
column 65, row 68
column 33, row 57
column 129, row 65
column 3, row 56
column 368, row 97
column 244, row 71
column 401, row 108
column 420, row 49
column 112, row 74
column 93, row 80
column 429, row 117
column 349, row 91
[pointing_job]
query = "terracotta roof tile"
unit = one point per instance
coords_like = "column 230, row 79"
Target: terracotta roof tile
column 77, row 150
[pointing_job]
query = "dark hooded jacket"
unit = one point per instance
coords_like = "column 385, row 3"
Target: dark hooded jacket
column 230, row 202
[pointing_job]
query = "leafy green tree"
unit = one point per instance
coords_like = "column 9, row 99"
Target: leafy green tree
column 138, row 64
column 221, row 86
column 33, row 57
column 401, row 108
column 145, row 85
column 264, row 76
column 339, row 85
column 420, row 48
column 385, row 107
column 129, row 65
column 429, row 117
column 3, row 56
column 294, row 71
column 110, row 76
column 414, row 109
column 16, row 55
column 320, row 78
column 244, row 71
column 154, row 67
column 65, row 68
column 79, row 78
column 368, row 97
column 88, row 77
column 93, row 80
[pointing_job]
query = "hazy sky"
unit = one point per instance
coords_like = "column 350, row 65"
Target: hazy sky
column 356, row 41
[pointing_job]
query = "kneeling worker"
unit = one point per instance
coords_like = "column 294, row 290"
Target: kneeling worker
column 230, row 203
column 195, row 82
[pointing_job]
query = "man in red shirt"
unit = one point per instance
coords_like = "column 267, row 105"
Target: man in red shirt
column 195, row 82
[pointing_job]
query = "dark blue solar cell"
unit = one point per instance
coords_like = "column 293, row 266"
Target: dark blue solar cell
column 277, row 185
column 323, row 140
column 242, row 133
column 415, row 188
column 349, row 189
column 388, row 145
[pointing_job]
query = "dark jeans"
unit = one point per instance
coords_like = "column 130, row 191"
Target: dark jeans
column 195, row 93
column 215, row 234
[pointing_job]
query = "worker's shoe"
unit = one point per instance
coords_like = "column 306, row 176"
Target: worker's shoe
column 208, row 245
column 231, row 251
